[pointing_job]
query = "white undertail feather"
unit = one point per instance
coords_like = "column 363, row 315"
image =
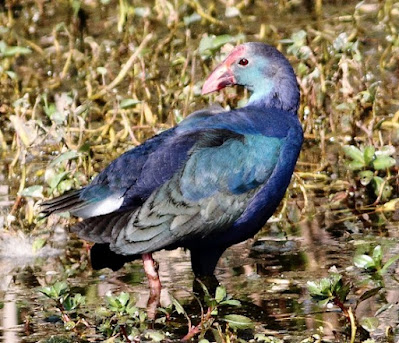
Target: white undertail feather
column 98, row 208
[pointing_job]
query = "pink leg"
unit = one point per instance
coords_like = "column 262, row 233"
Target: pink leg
column 155, row 285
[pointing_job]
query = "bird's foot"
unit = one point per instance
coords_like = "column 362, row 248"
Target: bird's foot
column 151, row 271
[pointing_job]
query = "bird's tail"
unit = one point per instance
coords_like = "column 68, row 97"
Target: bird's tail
column 70, row 201
column 102, row 229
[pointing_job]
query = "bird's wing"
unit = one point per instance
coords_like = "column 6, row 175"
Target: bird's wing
column 211, row 189
column 130, row 179
column 106, row 192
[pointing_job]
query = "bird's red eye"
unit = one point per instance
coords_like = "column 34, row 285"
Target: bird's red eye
column 243, row 62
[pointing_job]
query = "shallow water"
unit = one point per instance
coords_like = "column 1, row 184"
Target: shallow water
column 271, row 284
column 315, row 232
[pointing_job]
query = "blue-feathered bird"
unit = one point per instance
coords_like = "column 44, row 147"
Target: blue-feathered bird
column 208, row 183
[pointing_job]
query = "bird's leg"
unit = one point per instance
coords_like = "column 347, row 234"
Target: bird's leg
column 155, row 285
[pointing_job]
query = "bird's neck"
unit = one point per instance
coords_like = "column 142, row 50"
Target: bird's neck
column 283, row 95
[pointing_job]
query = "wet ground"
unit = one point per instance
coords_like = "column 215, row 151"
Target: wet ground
column 326, row 219
column 269, row 279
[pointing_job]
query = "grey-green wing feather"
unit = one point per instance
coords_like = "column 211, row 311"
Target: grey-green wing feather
column 206, row 196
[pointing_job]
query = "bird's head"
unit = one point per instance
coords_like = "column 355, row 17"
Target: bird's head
column 263, row 70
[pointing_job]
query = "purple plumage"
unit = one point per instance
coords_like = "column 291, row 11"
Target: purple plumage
column 206, row 184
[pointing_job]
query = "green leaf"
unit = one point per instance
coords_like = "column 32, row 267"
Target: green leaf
column 342, row 291
column 369, row 323
column 388, row 263
column 124, row 298
column 390, row 206
column 219, row 41
column 126, row 103
column 204, row 288
column 355, row 165
column 231, row 302
column 217, row 335
column 133, row 311
column 220, row 294
column 47, row 291
column 15, row 50
column 340, row 43
column 66, row 156
column 239, row 322
column 370, row 293
column 299, row 37
column 383, row 309
column 102, row 70
column 56, row 290
column 68, row 303
column 261, row 337
column 191, row 18
column 336, row 281
column 302, row 69
column 369, row 154
column 215, row 311
column 324, row 302
column 325, row 286
column 211, row 43
column 326, row 289
column 387, row 192
column 387, row 150
column 84, row 148
column 382, row 187
column 50, row 109
column 365, row 177
column 33, row 191
column 179, row 308
column 112, row 301
column 56, row 179
column 103, row 312
column 12, row 75
column 378, row 182
column 60, row 288
column 79, row 299
column 65, row 185
column 383, row 162
column 38, row 243
column 69, row 325
column 154, row 336
column 354, row 153
column 364, row 262
column 377, row 254
column 313, row 288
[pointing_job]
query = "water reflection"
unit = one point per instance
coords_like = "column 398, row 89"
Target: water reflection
column 9, row 316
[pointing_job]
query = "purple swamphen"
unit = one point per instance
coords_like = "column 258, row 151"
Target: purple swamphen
column 208, row 183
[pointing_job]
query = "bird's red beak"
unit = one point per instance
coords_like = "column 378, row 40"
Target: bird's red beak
column 221, row 77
